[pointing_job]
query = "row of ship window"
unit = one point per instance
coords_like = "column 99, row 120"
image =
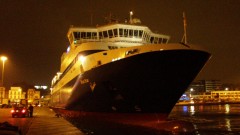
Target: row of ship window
column 119, row 33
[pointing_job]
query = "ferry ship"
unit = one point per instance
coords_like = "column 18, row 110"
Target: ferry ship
column 124, row 69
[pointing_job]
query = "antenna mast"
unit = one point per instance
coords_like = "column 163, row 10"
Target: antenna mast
column 184, row 39
column 131, row 20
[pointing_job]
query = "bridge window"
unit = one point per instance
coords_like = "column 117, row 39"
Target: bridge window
column 112, row 47
column 125, row 32
column 164, row 40
column 110, row 33
column 160, row 40
column 144, row 36
column 76, row 35
column 115, row 31
column 151, row 39
column 88, row 35
column 83, row 34
column 94, row 35
column 105, row 34
column 130, row 33
column 121, row 32
column 135, row 33
column 140, row 33
column 100, row 35
column 155, row 40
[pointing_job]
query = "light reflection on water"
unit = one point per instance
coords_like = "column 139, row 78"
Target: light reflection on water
column 210, row 119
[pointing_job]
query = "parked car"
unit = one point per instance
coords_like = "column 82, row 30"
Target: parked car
column 19, row 112
column 4, row 105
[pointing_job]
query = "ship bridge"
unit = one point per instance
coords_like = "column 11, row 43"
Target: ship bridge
column 117, row 33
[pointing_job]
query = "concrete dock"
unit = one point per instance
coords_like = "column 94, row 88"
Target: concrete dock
column 44, row 122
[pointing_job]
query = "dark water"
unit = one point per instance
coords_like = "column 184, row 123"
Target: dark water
column 221, row 119
column 192, row 120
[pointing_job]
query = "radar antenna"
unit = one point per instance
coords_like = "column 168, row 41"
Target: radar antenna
column 184, row 39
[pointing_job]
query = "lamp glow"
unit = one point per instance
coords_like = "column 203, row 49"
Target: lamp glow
column 3, row 58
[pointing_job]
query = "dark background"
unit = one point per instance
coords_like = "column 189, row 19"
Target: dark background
column 33, row 32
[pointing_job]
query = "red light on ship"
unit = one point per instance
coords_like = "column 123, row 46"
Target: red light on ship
column 12, row 111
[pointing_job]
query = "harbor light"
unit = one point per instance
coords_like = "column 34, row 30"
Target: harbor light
column 3, row 58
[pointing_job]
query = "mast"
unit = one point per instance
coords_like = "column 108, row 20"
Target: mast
column 184, row 39
column 130, row 18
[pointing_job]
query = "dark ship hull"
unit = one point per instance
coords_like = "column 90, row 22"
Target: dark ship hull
column 146, row 83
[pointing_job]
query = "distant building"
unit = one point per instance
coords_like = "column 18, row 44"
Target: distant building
column 211, row 85
column 44, row 94
column 2, row 94
column 15, row 94
column 226, row 95
column 203, row 86
column 33, row 96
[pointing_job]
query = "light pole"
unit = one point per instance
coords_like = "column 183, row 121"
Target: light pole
column 3, row 58
column 191, row 90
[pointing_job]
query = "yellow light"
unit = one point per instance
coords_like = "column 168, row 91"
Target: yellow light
column 131, row 12
column 82, row 59
column 3, row 58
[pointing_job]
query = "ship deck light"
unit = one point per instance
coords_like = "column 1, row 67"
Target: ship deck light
column 82, row 59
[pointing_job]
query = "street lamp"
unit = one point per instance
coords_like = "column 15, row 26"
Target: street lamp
column 3, row 58
column 191, row 90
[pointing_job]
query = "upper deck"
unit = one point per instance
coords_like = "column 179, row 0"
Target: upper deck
column 129, row 33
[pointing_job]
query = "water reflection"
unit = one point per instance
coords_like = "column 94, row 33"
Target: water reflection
column 210, row 119
column 192, row 110
column 228, row 124
column 186, row 109
column 227, row 108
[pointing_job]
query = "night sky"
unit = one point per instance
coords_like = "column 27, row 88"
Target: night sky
column 33, row 32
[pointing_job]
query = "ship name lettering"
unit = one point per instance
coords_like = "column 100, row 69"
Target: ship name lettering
column 92, row 85
column 83, row 81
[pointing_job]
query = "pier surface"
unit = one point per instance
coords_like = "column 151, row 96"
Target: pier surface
column 43, row 122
